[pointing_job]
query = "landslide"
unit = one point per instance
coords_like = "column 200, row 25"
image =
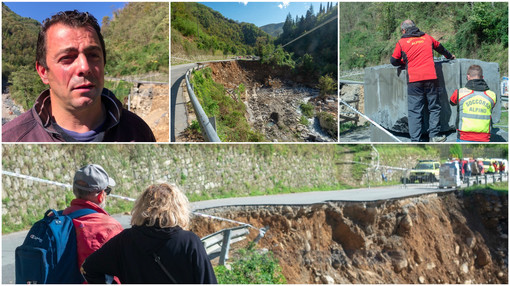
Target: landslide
column 151, row 103
column 448, row 238
column 273, row 97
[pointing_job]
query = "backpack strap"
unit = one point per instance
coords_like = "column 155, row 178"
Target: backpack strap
column 158, row 261
column 80, row 213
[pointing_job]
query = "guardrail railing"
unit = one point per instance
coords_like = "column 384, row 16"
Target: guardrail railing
column 208, row 130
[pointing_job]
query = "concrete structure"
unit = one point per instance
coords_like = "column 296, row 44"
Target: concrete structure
column 386, row 93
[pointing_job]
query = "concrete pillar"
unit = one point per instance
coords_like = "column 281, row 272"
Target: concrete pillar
column 386, row 92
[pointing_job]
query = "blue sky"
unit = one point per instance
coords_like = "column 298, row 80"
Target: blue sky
column 42, row 10
column 263, row 13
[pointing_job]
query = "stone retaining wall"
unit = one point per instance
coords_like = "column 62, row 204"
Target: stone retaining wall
column 200, row 169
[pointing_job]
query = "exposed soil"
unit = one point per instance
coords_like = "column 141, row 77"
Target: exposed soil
column 151, row 103
column 448, row 238
column 272, row 100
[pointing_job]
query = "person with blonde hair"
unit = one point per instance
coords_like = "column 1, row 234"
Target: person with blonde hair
column 156, row 249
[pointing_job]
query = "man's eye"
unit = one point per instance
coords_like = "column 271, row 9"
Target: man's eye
column 67, row 59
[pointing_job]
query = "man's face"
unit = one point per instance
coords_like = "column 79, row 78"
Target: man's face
column 75, row 66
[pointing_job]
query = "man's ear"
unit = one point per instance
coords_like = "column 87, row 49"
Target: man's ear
column 101, row 197
column 43, row 72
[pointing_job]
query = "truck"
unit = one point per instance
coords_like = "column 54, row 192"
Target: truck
column 425, row 171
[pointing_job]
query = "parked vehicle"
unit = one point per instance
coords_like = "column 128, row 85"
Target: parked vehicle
column 425, row 171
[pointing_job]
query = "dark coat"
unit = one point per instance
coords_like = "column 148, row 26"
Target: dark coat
column 129, row 256
column 36, row 124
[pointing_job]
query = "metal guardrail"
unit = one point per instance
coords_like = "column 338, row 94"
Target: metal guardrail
column 218, row 243
column 206, row 126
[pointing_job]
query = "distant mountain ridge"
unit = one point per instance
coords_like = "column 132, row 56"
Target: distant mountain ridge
column 274, row 30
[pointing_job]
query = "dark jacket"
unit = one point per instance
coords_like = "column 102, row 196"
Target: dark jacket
column 129, row 257
column 36, row 125
column 414, row 50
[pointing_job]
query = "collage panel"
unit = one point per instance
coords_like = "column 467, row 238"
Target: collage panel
column 85, row 72
column 254, row 71
column 409, row 76
column 335, row 101
column 354, row 213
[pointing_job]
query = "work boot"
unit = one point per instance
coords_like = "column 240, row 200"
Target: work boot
column 440, row 138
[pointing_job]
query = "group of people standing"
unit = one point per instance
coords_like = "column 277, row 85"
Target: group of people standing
column 156, row 249
column 474, row 102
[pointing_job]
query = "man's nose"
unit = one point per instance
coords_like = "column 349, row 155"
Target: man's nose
column 83, row 65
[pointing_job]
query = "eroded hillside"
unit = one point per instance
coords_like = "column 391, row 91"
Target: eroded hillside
column 273, row 98
column 450, row 238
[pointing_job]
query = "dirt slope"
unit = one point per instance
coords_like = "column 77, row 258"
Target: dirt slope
column 152, row 103
column 429, row 239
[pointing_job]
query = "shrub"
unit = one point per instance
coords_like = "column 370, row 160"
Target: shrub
column 252, row 267
column 306, row 109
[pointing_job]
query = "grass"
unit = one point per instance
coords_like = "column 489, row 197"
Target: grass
column 231, row 123
column 499, row 187
column 121, row 89
column 503, row 121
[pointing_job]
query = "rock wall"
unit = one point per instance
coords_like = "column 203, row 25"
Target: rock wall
column 198, row 169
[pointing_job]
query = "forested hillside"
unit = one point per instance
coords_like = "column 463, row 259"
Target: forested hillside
column 274, row 30
column 476, row 30
column 136, row 40
column 197, row 29
column 319, row 47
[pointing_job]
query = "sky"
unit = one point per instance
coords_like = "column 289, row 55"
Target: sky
column 42, row 10
column 263, row 13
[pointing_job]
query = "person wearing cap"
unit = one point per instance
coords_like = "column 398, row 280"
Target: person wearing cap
column 157, row 248
column 91, row 186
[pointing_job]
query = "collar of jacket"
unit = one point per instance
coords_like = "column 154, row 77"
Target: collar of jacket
column 413, row 32
column 477, row 85
column 42, row 110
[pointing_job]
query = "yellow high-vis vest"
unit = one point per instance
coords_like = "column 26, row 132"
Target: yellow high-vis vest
column 475, row 109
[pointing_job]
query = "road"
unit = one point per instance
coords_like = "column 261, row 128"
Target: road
column 178, row 114
column 11, row 241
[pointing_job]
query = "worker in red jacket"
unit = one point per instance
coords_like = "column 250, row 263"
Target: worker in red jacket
column 414, row 52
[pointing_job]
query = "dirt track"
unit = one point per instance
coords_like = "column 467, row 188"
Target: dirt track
column 429, row 239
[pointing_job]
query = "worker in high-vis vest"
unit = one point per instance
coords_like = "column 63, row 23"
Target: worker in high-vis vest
column 474, row 107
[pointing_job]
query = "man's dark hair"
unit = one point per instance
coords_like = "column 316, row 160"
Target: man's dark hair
column 475, row 71
column 73, row 19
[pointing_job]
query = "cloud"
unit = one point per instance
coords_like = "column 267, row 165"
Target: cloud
column 284, row 4
column 244, row 2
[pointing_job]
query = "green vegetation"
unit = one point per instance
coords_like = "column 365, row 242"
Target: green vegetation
column 456, row 151
column 19, row 38
column 327, row 86
column 328, row 123
column 319, row 44
column 307, row 109
column 303, row 120
column 231, row 124
column 476, row 30
column 251, row 267
column 120, row 88
column 200, row 30
column 499, row 187
column 136, row 39
column 26, row 86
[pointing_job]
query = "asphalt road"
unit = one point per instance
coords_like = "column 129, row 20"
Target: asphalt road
column 13, row 240
column 178, row 114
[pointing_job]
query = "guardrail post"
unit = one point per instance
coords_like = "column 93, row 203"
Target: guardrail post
column 485, row 179
column 225, row 246
column 468, row 180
